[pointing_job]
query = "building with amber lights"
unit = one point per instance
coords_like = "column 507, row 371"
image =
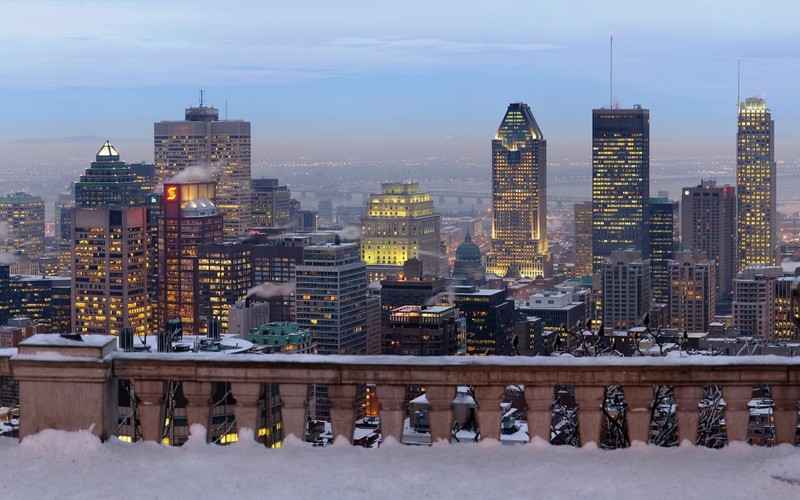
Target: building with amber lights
column 189, row 219
column 400, row 224
column 583, row 239
column 109, row 270
column 620, row 181
column 693, row 292
column 224, row 275
column 22, row 224
column 755, row 185
column 221, row 148
column 519, row 197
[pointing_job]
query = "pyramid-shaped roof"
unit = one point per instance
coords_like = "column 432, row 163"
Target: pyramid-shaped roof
column 107, row 153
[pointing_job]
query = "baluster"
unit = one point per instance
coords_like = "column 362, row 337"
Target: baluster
column 294, row 403
column 638, row 398
column 785, row 398
column 392, row 410
column 198, row 400
column 440, row 414
column 540, row 411
column 688, row 398
column 151, row 418
column 247, row 396
column 737, row 414
column 489, row 398
column 343, row 408
column 589, row 399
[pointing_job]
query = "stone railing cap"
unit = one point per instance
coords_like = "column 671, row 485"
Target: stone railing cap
column 90, row 346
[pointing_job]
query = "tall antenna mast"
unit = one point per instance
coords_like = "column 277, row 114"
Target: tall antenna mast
column 738, row 82
column 611, row 70
column 201, row 98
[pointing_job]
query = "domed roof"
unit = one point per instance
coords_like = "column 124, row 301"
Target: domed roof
column 468, row 250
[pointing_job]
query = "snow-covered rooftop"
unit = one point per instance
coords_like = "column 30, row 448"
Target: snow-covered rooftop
column 58, row 464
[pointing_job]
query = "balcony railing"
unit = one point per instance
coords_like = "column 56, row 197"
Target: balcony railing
column 70, row 385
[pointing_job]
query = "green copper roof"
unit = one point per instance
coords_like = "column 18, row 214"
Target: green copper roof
column 468, row 250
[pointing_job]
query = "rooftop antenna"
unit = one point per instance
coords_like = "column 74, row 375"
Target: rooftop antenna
column 226, row 110
column 611, row 70
column 201, row 98
column 738, row 82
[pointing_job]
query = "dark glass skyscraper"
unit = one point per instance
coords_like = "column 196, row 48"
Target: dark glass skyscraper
column 108, row 181
column 664, row 235
column 620, row 181
column 755, row 184
column 519, row 197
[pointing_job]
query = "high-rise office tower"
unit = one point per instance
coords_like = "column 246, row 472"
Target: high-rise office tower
column 787, row 309
column 754, row 301
column 189, row 220
column 664, row 234
column 519, row 197
column 627, row 296
column 620, row 181
column 489, row 320
column 583, row 239
column 331, row 297
column 270, row 203
column 693, row 290
column 755, row 185
column 400, row 224
column 224, row 275
column 708, row 223
column 218, row 147
column 274, row 270
column 109, row 270
column 22, row 224
column 63, row 213
column 108, row 182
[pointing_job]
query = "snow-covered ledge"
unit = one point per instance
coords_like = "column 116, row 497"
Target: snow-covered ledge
column 65, row 384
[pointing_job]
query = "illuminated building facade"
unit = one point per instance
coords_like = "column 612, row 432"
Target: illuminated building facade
column 627, row 296
column 189, row 220
column 583, row 239
column 423, row 331
column 43, row 299
column 218, row 147
column 108, row 181
column 693, row 293
column 270, row 203
column 400, row 224
column 787, row 309
column 489, row 320
column 755, row 185
column 224, row 275
column 276, row 262
column 620, row 181
column 519, row 197
column 331, row 295
column 664, row 234
column 708, row 223
column 22, row 224
column 109, row 270
column 406, row 290
column 754, row 301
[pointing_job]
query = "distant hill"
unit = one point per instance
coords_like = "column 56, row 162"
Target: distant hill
column 76, row 139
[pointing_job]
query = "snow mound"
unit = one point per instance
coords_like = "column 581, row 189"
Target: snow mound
column 50, row 444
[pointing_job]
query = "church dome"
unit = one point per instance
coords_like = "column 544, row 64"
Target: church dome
column 468, row 250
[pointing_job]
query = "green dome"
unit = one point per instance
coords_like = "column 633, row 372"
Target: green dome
column 468, row 250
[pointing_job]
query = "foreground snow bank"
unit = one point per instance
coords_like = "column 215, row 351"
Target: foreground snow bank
column 57, row 464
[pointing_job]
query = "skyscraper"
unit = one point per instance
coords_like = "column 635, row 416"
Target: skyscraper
column 620, row 181
column 108, row 182
column 663, row 234
column 109, row 270
column 519, row 197
column 400, row 224
column 22, row 224
column 221, row 147
column 708, row 223
column 755, row 184
column 693, row 290
column 189, row 220
column 627, row 295
column 270, row 203
column 583, row 239
column 224, row 275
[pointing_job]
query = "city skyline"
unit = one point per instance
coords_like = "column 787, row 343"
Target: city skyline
column 439, row 77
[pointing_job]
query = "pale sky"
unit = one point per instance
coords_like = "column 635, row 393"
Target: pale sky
column 347, row 79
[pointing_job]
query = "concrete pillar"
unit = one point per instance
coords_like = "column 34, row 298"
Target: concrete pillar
column 198, row 409
column 440, row 414
column 343, row 409
column 638, row 399
column 392, row 410
column 589, row 399
column 785, row 398
column 151, row 399
column 687, row 398
column 247, row 395
column 540, row 411
column 294, row 403
column 66, row 384
column 737, row 414
column 489, row 398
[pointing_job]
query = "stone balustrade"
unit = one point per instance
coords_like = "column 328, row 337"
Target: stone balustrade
column 69, row 385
